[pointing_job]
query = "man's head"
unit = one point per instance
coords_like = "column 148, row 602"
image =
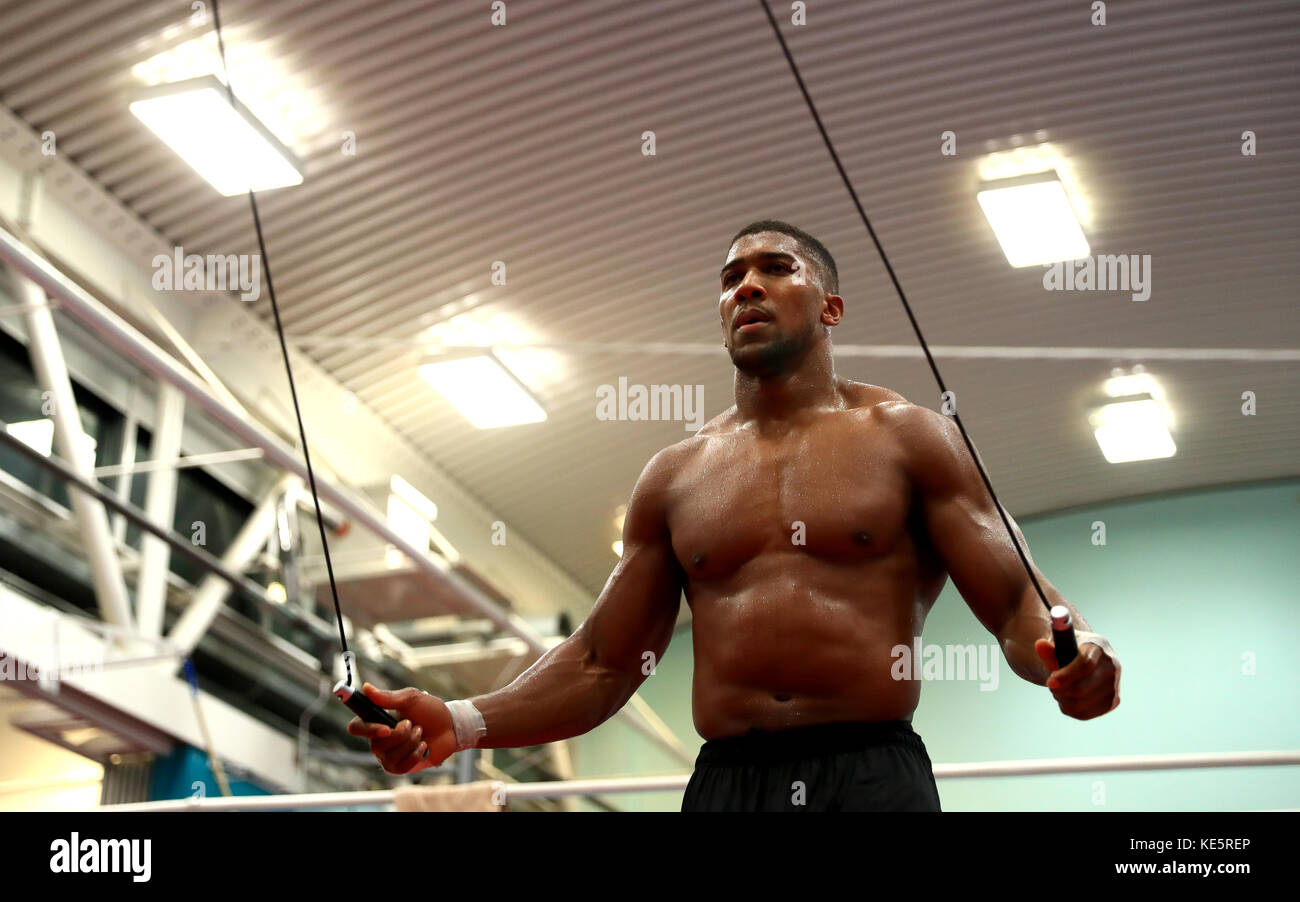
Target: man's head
column 784, row 281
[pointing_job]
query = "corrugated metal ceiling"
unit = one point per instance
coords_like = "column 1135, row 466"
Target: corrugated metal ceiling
column 522, row 144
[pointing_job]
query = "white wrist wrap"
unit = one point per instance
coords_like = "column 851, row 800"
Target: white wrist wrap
column 1098, row 640
column 1104, row 644
column 467, row 722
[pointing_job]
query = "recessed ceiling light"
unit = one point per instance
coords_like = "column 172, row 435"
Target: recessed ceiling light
column 1132, row 429
column 1032, row 219
column 1134, row 423
column 223, row 142
column 484, row 391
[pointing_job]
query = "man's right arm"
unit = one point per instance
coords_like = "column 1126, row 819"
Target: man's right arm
column 584, row 680
column 581, row 682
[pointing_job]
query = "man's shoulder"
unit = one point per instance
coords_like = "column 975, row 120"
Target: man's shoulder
column 668, row 460
column 865, row 396
column 722, row 423
column 885, row 407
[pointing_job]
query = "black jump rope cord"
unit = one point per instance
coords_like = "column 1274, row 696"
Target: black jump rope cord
column 884, row 258
column 288, row 368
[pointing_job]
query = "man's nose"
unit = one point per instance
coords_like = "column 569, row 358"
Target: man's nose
column 749, row 288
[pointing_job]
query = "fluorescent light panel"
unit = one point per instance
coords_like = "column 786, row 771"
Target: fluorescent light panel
column 483, row 391
column 1137, row 383
column 1132, row 430
column 225, row 144
column 1032, row 219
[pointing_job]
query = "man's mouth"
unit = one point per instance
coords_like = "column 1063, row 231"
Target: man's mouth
column 751, row 320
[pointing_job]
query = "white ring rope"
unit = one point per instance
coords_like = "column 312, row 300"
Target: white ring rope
column 677, row 782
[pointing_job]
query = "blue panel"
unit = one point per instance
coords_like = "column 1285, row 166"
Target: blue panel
column 185, row 773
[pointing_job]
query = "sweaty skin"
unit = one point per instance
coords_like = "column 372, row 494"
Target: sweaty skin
column 811, row 527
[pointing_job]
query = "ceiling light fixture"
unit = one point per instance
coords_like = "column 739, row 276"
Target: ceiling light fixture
column 223, row 142
column 1033, row 220
column 1133, row 424
column 483, row 389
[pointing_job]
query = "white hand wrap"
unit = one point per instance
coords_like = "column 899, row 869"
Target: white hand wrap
column 1098, row 640
column 1104, row 644
column 467, row 722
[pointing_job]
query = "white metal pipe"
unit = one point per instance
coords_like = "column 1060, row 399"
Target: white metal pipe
column 676, row 782
column 702, row 349
column 595, row 787
column 465, row 652
column 121, row 337
column 259, row 803
column 22, row 308
column 1127, row 763
column 178, row 463
column 213, row 590
column 123, row 488
column 160, row 505
column 70, row 440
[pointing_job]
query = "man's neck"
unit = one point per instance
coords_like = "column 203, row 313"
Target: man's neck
column 809, row 386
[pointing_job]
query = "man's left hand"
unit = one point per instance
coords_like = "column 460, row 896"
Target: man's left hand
column 1088, row 686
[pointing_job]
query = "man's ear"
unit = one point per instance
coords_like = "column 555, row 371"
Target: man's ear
column 832, row 309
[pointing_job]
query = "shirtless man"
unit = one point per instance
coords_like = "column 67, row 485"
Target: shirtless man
column 811, row 527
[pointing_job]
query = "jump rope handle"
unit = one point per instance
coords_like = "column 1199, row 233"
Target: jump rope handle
column 362, row 706
column 357, row 700
column 1067, row 649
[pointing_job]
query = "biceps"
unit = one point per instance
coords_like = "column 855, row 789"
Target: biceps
column 637, row 609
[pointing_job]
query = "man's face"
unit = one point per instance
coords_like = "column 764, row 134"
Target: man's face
column 770, row 303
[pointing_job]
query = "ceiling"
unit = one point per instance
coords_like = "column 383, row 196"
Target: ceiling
column 477, row 143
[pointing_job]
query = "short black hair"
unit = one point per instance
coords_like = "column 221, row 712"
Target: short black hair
column 830, row 276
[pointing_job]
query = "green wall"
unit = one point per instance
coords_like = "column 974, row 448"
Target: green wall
column 1189, row 588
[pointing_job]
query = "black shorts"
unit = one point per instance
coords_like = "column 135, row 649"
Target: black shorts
column 829, row 767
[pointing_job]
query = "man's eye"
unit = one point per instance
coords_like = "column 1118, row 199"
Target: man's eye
column 730, row 277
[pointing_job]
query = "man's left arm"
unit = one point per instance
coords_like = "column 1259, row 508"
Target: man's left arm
column 968, row 534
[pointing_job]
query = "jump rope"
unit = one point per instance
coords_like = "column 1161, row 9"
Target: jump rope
column 346, row 689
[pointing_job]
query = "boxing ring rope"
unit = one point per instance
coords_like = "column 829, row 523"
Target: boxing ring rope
column 677, row 782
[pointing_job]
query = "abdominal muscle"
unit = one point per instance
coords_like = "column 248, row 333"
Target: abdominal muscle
column 792, row 641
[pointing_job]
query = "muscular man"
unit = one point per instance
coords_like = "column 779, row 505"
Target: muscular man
column 811, row 527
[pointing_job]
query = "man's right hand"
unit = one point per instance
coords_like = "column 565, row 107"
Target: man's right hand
column 423, row 738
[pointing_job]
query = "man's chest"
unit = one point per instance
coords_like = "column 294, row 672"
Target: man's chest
column 833, row 492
